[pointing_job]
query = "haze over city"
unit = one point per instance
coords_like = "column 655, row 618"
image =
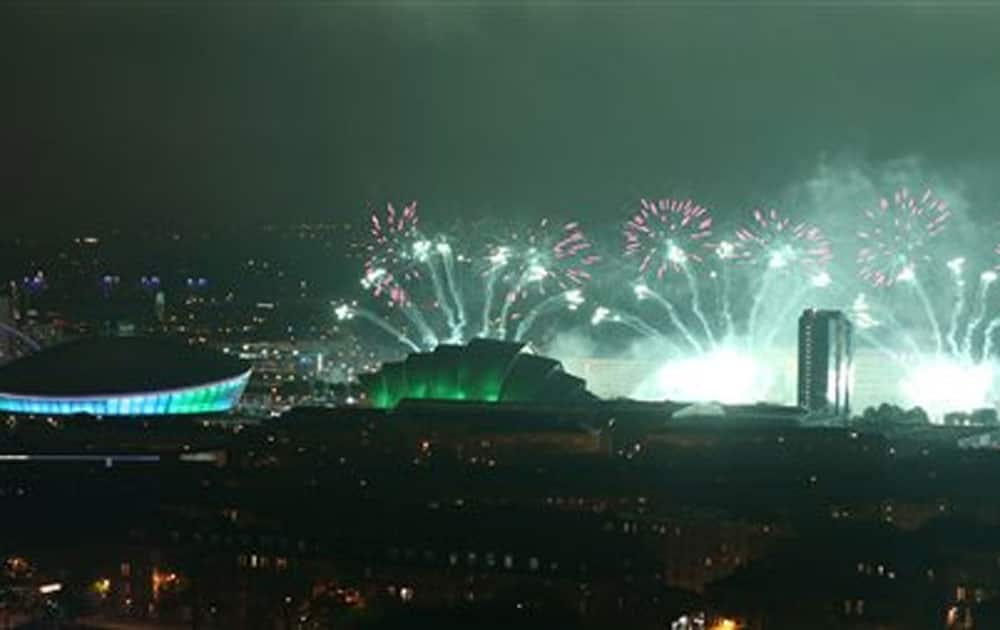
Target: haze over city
column 452, row 314
column 263, row 112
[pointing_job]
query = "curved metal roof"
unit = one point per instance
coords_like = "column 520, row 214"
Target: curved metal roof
column 484, row 370
column 117, row 365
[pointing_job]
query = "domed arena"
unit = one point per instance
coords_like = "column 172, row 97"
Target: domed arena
column 482, row 371
column 122, row 376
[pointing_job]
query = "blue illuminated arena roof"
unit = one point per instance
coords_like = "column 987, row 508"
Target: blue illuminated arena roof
column 127, row 376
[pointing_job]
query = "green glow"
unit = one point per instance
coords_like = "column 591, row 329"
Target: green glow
column 483, row 371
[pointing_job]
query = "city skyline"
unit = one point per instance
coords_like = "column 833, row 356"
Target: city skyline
column 499, row 314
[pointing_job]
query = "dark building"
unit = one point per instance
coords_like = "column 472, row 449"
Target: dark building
column 825, row 363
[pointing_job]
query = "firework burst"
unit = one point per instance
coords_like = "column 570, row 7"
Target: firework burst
column 545, row 258
column 391, row 250
column 778, row 242
column 540, row 260
column 715, row 312
column 667, row 234
column 434, row 288
column 894, row 235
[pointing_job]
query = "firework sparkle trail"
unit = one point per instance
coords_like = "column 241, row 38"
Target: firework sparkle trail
column 896, row 233
column 671, row 239
column 390, row 248
column 430, row 279
column 779, row 242
column 541, row 260
column 958, row 373
column 706, row 298
column 666, row 234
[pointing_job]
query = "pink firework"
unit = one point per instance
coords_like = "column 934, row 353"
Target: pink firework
column 779, row 242
column 573, row 253
column 543, row 258
column 667, row 234
column 390, row 250
column 895, row 234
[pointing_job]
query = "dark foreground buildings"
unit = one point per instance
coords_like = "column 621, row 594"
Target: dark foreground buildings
column 465, row 515
column 519, row 512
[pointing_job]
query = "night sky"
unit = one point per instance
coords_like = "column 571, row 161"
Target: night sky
column 116, row 112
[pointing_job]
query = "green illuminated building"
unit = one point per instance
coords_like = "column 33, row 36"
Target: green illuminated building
column 485, row 371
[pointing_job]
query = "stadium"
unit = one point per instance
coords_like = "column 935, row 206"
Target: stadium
column 122, row 376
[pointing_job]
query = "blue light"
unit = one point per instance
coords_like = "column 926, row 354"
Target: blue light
column 212, row 398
